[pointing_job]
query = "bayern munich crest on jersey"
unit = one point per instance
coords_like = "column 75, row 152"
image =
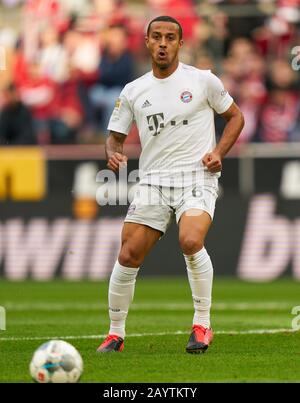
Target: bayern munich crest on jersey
column 186, row 97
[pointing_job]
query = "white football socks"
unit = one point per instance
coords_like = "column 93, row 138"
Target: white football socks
column 200, row 275
column 120, row 295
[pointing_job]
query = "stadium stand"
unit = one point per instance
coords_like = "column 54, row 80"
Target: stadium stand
column 68, row 61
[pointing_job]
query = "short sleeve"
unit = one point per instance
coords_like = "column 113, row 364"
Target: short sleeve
column 122, row 117
column 218, row 97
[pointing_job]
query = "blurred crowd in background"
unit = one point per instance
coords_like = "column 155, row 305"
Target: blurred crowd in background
column 66, row 62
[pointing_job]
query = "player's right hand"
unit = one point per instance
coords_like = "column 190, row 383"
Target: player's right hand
column 213, row 162
column 117, row 161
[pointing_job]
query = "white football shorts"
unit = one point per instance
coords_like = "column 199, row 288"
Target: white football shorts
column 155, row 206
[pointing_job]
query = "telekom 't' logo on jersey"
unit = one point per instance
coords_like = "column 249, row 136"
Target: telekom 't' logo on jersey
column 155, row 123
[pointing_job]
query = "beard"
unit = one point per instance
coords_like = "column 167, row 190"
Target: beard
column 164, row 65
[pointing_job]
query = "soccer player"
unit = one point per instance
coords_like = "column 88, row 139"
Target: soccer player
column 173, row 107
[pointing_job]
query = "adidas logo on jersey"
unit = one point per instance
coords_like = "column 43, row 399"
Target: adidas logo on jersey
column 146, row 104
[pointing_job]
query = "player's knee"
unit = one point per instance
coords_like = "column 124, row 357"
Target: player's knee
column 128, row 257
column 190, row 244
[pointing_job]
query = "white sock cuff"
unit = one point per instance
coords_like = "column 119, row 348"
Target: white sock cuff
column 129, row 272
column 197, row 259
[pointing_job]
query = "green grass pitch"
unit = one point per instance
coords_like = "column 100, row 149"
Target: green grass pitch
column 158, row 328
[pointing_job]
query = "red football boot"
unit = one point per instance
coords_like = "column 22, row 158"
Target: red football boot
column 111, row 343
column 199, row 340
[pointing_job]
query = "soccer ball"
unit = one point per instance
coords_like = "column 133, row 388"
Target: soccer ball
column 56, row 362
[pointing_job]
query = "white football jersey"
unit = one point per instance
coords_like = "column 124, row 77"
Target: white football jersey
column 175, row 120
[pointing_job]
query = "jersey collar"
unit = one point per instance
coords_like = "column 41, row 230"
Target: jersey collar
column 171, row 77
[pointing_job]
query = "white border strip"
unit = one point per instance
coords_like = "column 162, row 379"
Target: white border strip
column 179, row 332
column 217, row 306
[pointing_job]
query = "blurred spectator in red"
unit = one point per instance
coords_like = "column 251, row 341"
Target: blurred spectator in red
column 70, row 66
column 38, row 13
column 109, row 11
column 251, row 95
column 82, row 52
column 244, row 77
column 279, row 32
column 16, row 123
column 182, row 10
column 55, row 107
column 114, row 12
column 280, row 112
column 53, row 57
column 39, row 94
column 116, row 69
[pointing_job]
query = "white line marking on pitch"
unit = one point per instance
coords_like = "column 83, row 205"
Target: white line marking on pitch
column 217, row 306
column 179, row 332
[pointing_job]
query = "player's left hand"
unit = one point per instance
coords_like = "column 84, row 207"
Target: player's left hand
column 213, row 162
